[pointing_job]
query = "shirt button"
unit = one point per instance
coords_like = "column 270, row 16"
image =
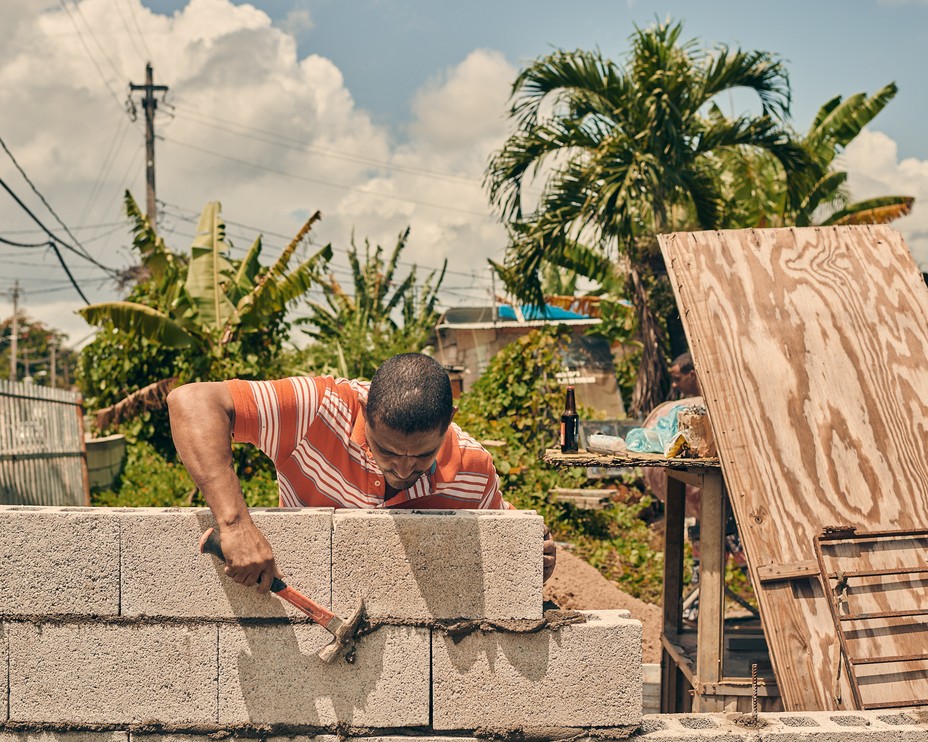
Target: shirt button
column 377, row 483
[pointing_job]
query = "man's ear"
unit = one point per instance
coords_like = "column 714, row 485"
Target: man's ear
column 363, row 403
column 454, row 411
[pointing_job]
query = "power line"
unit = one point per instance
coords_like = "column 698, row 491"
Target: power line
column 52, row 242
column 329, row 184
column 138, row 28
column 22, row 244
column 301, row 146
column 90, row 54
column 47, row 205
column 125, row 25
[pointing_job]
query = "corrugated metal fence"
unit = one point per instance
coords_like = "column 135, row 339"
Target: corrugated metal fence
column 42, row 453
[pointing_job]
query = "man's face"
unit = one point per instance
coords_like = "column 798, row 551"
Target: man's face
column 403, row 457
column 686, row 383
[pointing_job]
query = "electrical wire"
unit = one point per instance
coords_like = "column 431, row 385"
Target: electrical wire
column 22, row 244
column 90, row 54
column 125, row 25
column 138, row 28
column 83, row 251
column 53, row 242
column 301, row 146
column 329, row 184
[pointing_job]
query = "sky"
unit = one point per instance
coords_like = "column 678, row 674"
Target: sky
column 381, row 114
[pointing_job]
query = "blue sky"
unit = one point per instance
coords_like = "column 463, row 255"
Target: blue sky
column 380, row 113
column 388, row 49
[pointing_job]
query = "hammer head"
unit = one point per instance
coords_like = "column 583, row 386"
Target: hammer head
column 344, row 632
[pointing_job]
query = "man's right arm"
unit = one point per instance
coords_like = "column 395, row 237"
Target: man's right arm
column 202, row 415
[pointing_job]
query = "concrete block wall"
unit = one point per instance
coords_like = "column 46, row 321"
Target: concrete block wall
column 112, row 623
column 114, row 629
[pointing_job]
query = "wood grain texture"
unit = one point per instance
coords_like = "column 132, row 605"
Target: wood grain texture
column 811, row 348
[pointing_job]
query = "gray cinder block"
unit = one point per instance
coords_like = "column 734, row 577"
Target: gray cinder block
column 58, row 560
column 116, row 674
column 4, row 673
column 271, row 675
column 10, row 735
column 163, row 573
column 584, row 675
column 424, row 565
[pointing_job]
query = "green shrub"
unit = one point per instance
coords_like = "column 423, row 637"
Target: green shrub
column 150, row 480
column 518, row 402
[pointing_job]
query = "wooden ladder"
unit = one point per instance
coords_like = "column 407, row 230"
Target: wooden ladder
column 848, row 568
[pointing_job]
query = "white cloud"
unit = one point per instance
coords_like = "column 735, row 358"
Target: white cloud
column 246, row 122
column 874, row 169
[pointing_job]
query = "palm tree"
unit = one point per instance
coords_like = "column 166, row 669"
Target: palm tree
column 626, row 153
column 758, row 188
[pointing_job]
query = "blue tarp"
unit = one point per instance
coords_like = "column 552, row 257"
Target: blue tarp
column 536, row 313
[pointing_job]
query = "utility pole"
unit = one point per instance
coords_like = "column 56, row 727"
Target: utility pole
column 150, row 104
column 54, row 361
column 14, row 334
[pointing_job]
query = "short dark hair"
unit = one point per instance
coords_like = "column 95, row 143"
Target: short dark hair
column 685, row 362
column 410, row 393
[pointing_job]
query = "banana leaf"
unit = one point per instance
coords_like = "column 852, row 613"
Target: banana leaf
column 138, row 318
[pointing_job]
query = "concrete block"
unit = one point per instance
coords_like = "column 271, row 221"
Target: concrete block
column 58, row 560
column 585, row 675
column 62, row 736
column 112, row 674
column 842, row 726
column 271, row 675
column 4, row 673
column 786, row 726
column 163, row 573
column 438, row 565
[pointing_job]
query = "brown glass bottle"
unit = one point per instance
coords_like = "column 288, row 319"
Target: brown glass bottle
column 570, row 425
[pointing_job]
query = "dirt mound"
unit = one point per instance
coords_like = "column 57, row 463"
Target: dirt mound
column 579, row 586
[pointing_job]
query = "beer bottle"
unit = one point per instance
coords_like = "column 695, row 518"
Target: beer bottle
column 570, row 425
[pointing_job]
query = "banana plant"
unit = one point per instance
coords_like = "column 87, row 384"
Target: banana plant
column 209, row 305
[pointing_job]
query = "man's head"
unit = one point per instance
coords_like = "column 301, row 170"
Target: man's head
column 683, row 376
column 408, row 411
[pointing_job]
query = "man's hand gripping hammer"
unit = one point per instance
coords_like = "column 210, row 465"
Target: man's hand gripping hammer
column 343, row 630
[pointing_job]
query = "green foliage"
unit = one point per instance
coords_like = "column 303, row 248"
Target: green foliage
column 355, row 332
column 151, row 480
column 34, row 347
column 518, row 402
column 757, row 191
column 197, row 318
column 627, row 151
column 148, row 480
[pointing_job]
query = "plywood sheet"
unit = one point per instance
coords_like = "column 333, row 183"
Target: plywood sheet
column 811, row 347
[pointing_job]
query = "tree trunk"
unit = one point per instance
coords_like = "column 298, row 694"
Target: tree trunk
column 652, row 372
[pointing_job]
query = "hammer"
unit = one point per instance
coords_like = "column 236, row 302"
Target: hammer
column 343, row 630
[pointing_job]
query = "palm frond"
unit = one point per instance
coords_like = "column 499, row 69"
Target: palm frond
column 880, row 210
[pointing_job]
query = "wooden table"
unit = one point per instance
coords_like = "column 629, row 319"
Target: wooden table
column 693, row 668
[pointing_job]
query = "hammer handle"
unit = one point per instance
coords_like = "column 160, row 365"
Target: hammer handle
column 209, row 544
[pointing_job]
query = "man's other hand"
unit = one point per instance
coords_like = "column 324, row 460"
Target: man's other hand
column 549, row 552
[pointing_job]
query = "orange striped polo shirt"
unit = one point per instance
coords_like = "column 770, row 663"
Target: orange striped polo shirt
column 312, row 428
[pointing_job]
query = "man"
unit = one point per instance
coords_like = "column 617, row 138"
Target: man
column 683, row 379
column 335, row 443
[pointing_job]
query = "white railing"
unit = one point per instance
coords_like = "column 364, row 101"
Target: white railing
column 42, row 454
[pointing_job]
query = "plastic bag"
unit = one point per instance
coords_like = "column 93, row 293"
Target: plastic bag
column 658, row 438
